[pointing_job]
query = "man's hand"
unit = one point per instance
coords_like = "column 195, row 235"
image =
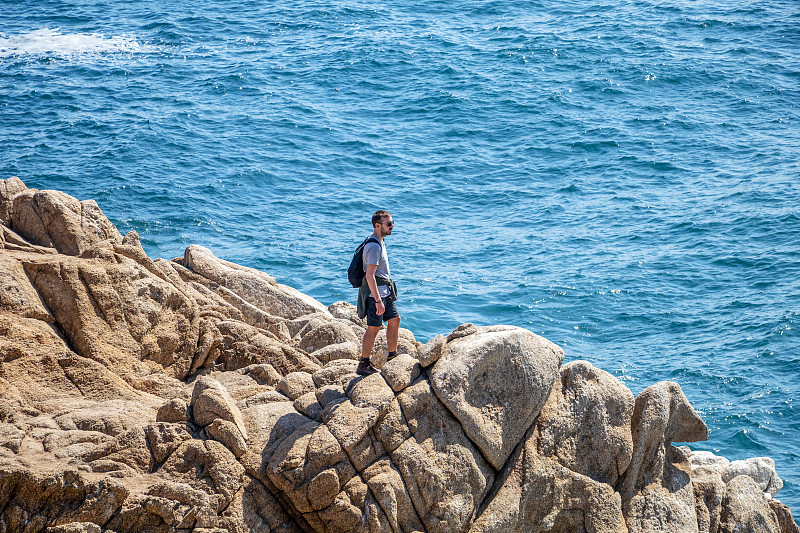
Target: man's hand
column 379, row 308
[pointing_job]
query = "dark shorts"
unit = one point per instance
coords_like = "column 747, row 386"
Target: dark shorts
column 376, row 320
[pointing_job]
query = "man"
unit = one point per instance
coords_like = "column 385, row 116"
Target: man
column 376, row 298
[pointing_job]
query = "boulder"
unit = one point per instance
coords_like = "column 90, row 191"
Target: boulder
column 57, row 220
column 75, row 527
column 242, row 346
column 31, row 501
column 327, row 334
column 445, row 475
column 164, row 438
column 784, row 516
column 118, row 313
column 310, row 468
column 401, row 371
column 9, row 188
column 386, row 484
column 210, row 401
column 745, row 508
column 336, row 372
column 536, row 493
column 431, row 351
column 346, row 311
column 656, row 489
column 709, row 490
column 759, row 469
column 344, row 350
column 253, row 286
column 17, row 295
column 587, row 426
column 268, row 425
column 175, row 410
column 296, row 384
column 495, row 383
column 228, row 434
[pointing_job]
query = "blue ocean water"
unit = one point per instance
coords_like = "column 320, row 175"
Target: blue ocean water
column 618, row 176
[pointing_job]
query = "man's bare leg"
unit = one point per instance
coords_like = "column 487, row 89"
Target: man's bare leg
column 369, row 341
column 392, row 332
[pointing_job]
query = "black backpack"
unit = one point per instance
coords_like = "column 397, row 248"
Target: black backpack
column 355, row 273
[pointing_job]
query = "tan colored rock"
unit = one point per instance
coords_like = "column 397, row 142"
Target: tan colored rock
column 704, row 459
column 329, row 396
column 269, row 396
column 444, row 473
column 432, row 350
column 113, row 417
column 268, row 425
column 538, row 494
column 260, row 511
column 164, row 439
column 352, row 422
column 346, row 311
column 57, row 220
column 251, row 285
column 336, row 372
column 17, row 295
column 745, row 509
column 72, row 443
column 709, row 490
column 9, row 188
column 406, row 343
column 308, row 405
column 310, row 467
column 588, row 427
column 391, row 428
column 228, row 434
column 656, row 488
column 495, row 383
column 344, row 350
column 210, row 400
column 387, row 486
column 243, row 345
column 401, row 371
column 31, row 501
column 206, row 466
column 462, row 331
column 264, row 374
column 331, row 333
column 784, row 516
column 175, row 410
column 118, row 313
column 75, row 527
column 296, row 384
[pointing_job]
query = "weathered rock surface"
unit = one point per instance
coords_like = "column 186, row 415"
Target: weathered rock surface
column 656, row 488
column 200, row 395
column 495, row 407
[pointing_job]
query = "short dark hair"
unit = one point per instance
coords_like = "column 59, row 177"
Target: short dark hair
column 377, row 218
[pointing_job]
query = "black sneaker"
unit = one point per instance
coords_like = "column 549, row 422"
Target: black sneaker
column 391, row 356
column 365, row 368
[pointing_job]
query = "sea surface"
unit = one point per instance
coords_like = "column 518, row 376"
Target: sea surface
column 621, row 177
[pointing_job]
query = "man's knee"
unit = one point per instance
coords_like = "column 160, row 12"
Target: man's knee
column 394, row 322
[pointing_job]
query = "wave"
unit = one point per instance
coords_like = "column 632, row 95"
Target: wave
column 52, row 43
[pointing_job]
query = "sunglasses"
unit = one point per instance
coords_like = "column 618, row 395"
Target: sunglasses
column 390, row 224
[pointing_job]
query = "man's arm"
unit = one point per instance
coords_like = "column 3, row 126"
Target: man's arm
column 373, row 289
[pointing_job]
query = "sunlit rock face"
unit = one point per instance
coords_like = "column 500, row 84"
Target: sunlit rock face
column 141, row 394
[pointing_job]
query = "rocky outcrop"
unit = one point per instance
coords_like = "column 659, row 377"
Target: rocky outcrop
column 197, row 394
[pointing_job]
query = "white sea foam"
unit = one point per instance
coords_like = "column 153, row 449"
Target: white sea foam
column 53, row 43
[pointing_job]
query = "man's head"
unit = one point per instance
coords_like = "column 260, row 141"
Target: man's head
column 382, row 223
